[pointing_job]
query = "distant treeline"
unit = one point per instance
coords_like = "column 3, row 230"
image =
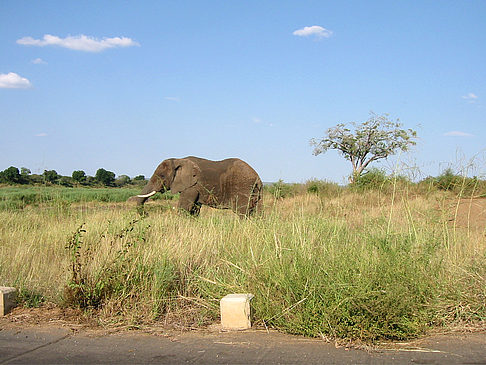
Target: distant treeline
column 373, row 179
column 105, row 178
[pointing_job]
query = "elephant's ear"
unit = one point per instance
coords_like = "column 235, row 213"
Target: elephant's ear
column 186, row 175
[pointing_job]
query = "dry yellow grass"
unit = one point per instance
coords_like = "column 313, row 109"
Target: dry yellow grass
column 328, row 265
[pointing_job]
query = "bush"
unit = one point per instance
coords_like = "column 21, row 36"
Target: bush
column 122, row 180
column 322, row 187
column 372, row 179
column 447, row 180
column 377, row 179
column 281, row 190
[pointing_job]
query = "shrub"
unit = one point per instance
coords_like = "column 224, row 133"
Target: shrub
column 322, row 187
column 281, row 190
column 372, row 179
column 447, row 180
column 122, row 180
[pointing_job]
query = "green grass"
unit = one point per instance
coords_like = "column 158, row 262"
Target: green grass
column 363, row 265
column 20, row 197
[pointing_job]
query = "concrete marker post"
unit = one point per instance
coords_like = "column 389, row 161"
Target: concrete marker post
column 235, row 311
column 8, row 299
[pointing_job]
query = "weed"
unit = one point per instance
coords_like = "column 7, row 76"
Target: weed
column 29, row 298
column 90, row 286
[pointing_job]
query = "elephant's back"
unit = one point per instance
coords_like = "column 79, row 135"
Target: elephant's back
column 244, row 168
column 224, row 165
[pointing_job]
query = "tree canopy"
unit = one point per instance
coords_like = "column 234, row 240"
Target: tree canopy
column 51, row 176
column 105, row 177
column 11, row 175
column 367, row 142
column 79, row 176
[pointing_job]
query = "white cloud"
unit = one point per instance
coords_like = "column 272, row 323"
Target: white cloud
column 314, row 30
column 458, row 134
column 261, row 122
column 43, row 134
column 79, row 43
column 172, row 98
column 39, row 61
column 13, row 81
column 470, row 97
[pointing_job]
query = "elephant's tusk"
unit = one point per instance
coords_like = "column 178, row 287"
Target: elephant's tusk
column 147, row 195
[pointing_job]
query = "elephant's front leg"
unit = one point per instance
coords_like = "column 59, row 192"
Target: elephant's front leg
column 188, row 201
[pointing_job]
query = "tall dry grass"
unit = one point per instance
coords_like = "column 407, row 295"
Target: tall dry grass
column 349, row 264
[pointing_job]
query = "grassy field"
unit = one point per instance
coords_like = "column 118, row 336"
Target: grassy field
column 20, row 197
column 365, row 265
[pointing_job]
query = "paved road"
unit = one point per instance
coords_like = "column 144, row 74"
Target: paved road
column 63, row 346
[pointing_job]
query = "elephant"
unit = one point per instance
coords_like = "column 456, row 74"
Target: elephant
column 227, row 184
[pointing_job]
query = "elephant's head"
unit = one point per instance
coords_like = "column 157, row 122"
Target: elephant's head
column 173, row 174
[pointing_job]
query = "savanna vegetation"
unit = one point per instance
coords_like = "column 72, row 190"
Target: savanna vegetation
column 382, row 258
column 103, row 178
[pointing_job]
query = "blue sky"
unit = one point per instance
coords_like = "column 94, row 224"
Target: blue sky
column 124, row 85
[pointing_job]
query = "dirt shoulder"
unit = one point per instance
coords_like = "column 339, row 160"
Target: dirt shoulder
column 57, row 336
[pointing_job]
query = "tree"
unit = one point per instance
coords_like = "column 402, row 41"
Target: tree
column 79, row 176
column 122, row 180
column 24, row 171
column 50, row 176
column 25, row 175
column 367, row 142
column 66, row 181
column 11, row 175
column 105, row 177
column 139, row 180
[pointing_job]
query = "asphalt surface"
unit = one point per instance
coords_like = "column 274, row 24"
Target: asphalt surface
column 65, row 346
